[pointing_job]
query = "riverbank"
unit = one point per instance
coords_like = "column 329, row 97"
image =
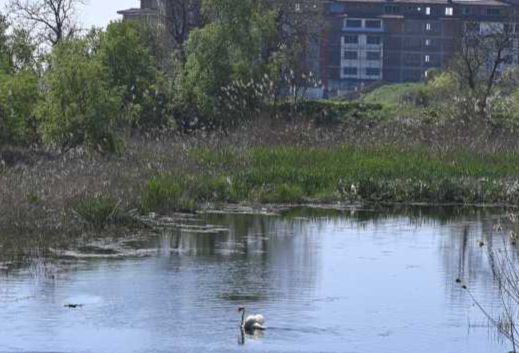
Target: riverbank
column 265, row 163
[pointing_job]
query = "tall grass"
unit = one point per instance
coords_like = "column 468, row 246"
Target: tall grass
column 265, row 161
column 346, row 173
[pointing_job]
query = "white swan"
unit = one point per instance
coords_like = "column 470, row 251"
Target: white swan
column 252, row 322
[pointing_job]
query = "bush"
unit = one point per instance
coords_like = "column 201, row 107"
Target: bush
column 324, row 112
column 19, row 95
column 80, row 108
column 131, row 68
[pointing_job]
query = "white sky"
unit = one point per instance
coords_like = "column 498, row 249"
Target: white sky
column 96, row 12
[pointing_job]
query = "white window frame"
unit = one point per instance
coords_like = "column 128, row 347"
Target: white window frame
column 449, row 11
column 427, row 10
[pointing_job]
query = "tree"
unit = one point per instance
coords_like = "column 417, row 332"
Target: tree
column 22, row 51
column 80, row 107
column 133, row 70
column 5, row 59
column 229, row 51
column 53, row 19
column 484, row 50
column 19, row 94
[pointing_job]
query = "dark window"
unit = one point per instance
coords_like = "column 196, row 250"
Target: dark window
column 493, row 12
column 351, row 39
column 372, row 71
column 350, row 71
column 350, row 55
column 373, row 24
column 353, row 23
column 465, row 11
column 373, row 55
column 392, row 9
column 373, row 40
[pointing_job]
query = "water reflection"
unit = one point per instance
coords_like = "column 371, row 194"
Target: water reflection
column 325, row 280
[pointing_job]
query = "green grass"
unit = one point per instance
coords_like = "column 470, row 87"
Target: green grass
column 97, row 212
column 347, row 173
column 391, row 95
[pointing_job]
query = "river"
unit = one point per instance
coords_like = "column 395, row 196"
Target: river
column 363, row 281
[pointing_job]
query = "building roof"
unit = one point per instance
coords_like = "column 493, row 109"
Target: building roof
column 434, row 2
column 137, row 12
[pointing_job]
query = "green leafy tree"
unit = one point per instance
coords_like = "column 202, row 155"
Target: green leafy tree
column 132, row 69
column 230, row 50
column 80, row 105
column 5, row 59
column 19, row 94
column 22, row 50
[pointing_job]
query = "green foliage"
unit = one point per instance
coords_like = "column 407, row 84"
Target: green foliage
column 97, row 211
column 167, row 194
column 19, row 94
column 348, row 173
column 231, row 49
column 79, row 107
column 333, row 112
column 132, row 69
column 22, row 50
column 184, row 193
column 5, row 57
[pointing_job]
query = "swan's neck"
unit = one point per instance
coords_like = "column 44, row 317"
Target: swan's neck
column 242, row 317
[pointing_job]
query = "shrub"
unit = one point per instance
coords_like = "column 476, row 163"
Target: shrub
column 19, row 95
column 324, row 112
column 79, row 107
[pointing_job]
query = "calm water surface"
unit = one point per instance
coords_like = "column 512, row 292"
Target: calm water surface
column 325, row 281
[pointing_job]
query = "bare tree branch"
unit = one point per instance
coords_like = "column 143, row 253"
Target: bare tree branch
column 53, row 19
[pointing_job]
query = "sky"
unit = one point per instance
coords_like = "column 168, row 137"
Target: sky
column 97, row 12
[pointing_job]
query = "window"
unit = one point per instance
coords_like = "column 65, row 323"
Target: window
column 372, row 71
column 298, row 7
column 427, row 10
column 465, row 11
column 353, row 23
column 509, row 59
column 493, row 12
column 350, row 71
column 427, row 26
column 350, row 55
column 391, row 9
column 427, row 59
column 373, row 55
column 427, row 42
column 351, row 39
column 373, row 40
column 449, row 11
column 373, row 24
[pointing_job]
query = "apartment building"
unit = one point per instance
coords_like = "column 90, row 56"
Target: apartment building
column 152, row 12
column 399, row 40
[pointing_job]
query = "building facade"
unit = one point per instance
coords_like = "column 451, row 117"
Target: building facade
column 151, row 12
column 399, row 40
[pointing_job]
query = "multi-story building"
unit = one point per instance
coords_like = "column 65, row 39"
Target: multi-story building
column 152, row 12
column 398, row 40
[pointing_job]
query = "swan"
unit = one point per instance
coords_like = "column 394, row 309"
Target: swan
column 252, row 322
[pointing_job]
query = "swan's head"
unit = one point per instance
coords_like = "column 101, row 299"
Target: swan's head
column 240, row 309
